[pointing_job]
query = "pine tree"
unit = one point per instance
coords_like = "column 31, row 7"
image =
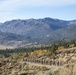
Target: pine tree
column 53, row 48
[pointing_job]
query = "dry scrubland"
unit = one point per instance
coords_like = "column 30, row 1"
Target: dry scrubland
column 19, row 66
column 22, row 68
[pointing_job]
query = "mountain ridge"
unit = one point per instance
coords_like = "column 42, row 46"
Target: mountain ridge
column 40, row 30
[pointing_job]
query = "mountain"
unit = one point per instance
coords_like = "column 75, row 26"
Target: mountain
column 38, row 30
column 24, row 26
column 67, row 33
column 9, row 38
column 0, row 23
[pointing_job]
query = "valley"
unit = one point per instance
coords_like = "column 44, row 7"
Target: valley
column 5, row 47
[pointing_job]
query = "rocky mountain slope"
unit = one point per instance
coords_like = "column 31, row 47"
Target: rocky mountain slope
column 38, row 30
column 25, row 26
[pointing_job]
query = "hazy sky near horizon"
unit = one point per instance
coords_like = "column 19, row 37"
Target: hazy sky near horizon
column 25, row 9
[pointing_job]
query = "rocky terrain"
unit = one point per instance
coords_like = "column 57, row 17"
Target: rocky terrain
column 65, row 66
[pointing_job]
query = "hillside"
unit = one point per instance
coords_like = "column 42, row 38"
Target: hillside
column 63, row 61
column 44, row 60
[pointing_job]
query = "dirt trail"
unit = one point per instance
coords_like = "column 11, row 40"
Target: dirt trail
column 42, row 65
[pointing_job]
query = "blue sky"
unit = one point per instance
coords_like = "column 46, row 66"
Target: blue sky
column 25, row 9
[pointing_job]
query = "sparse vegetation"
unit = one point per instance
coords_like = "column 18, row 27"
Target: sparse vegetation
column 39, row 50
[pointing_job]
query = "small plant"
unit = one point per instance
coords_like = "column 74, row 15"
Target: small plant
column 53, row 48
